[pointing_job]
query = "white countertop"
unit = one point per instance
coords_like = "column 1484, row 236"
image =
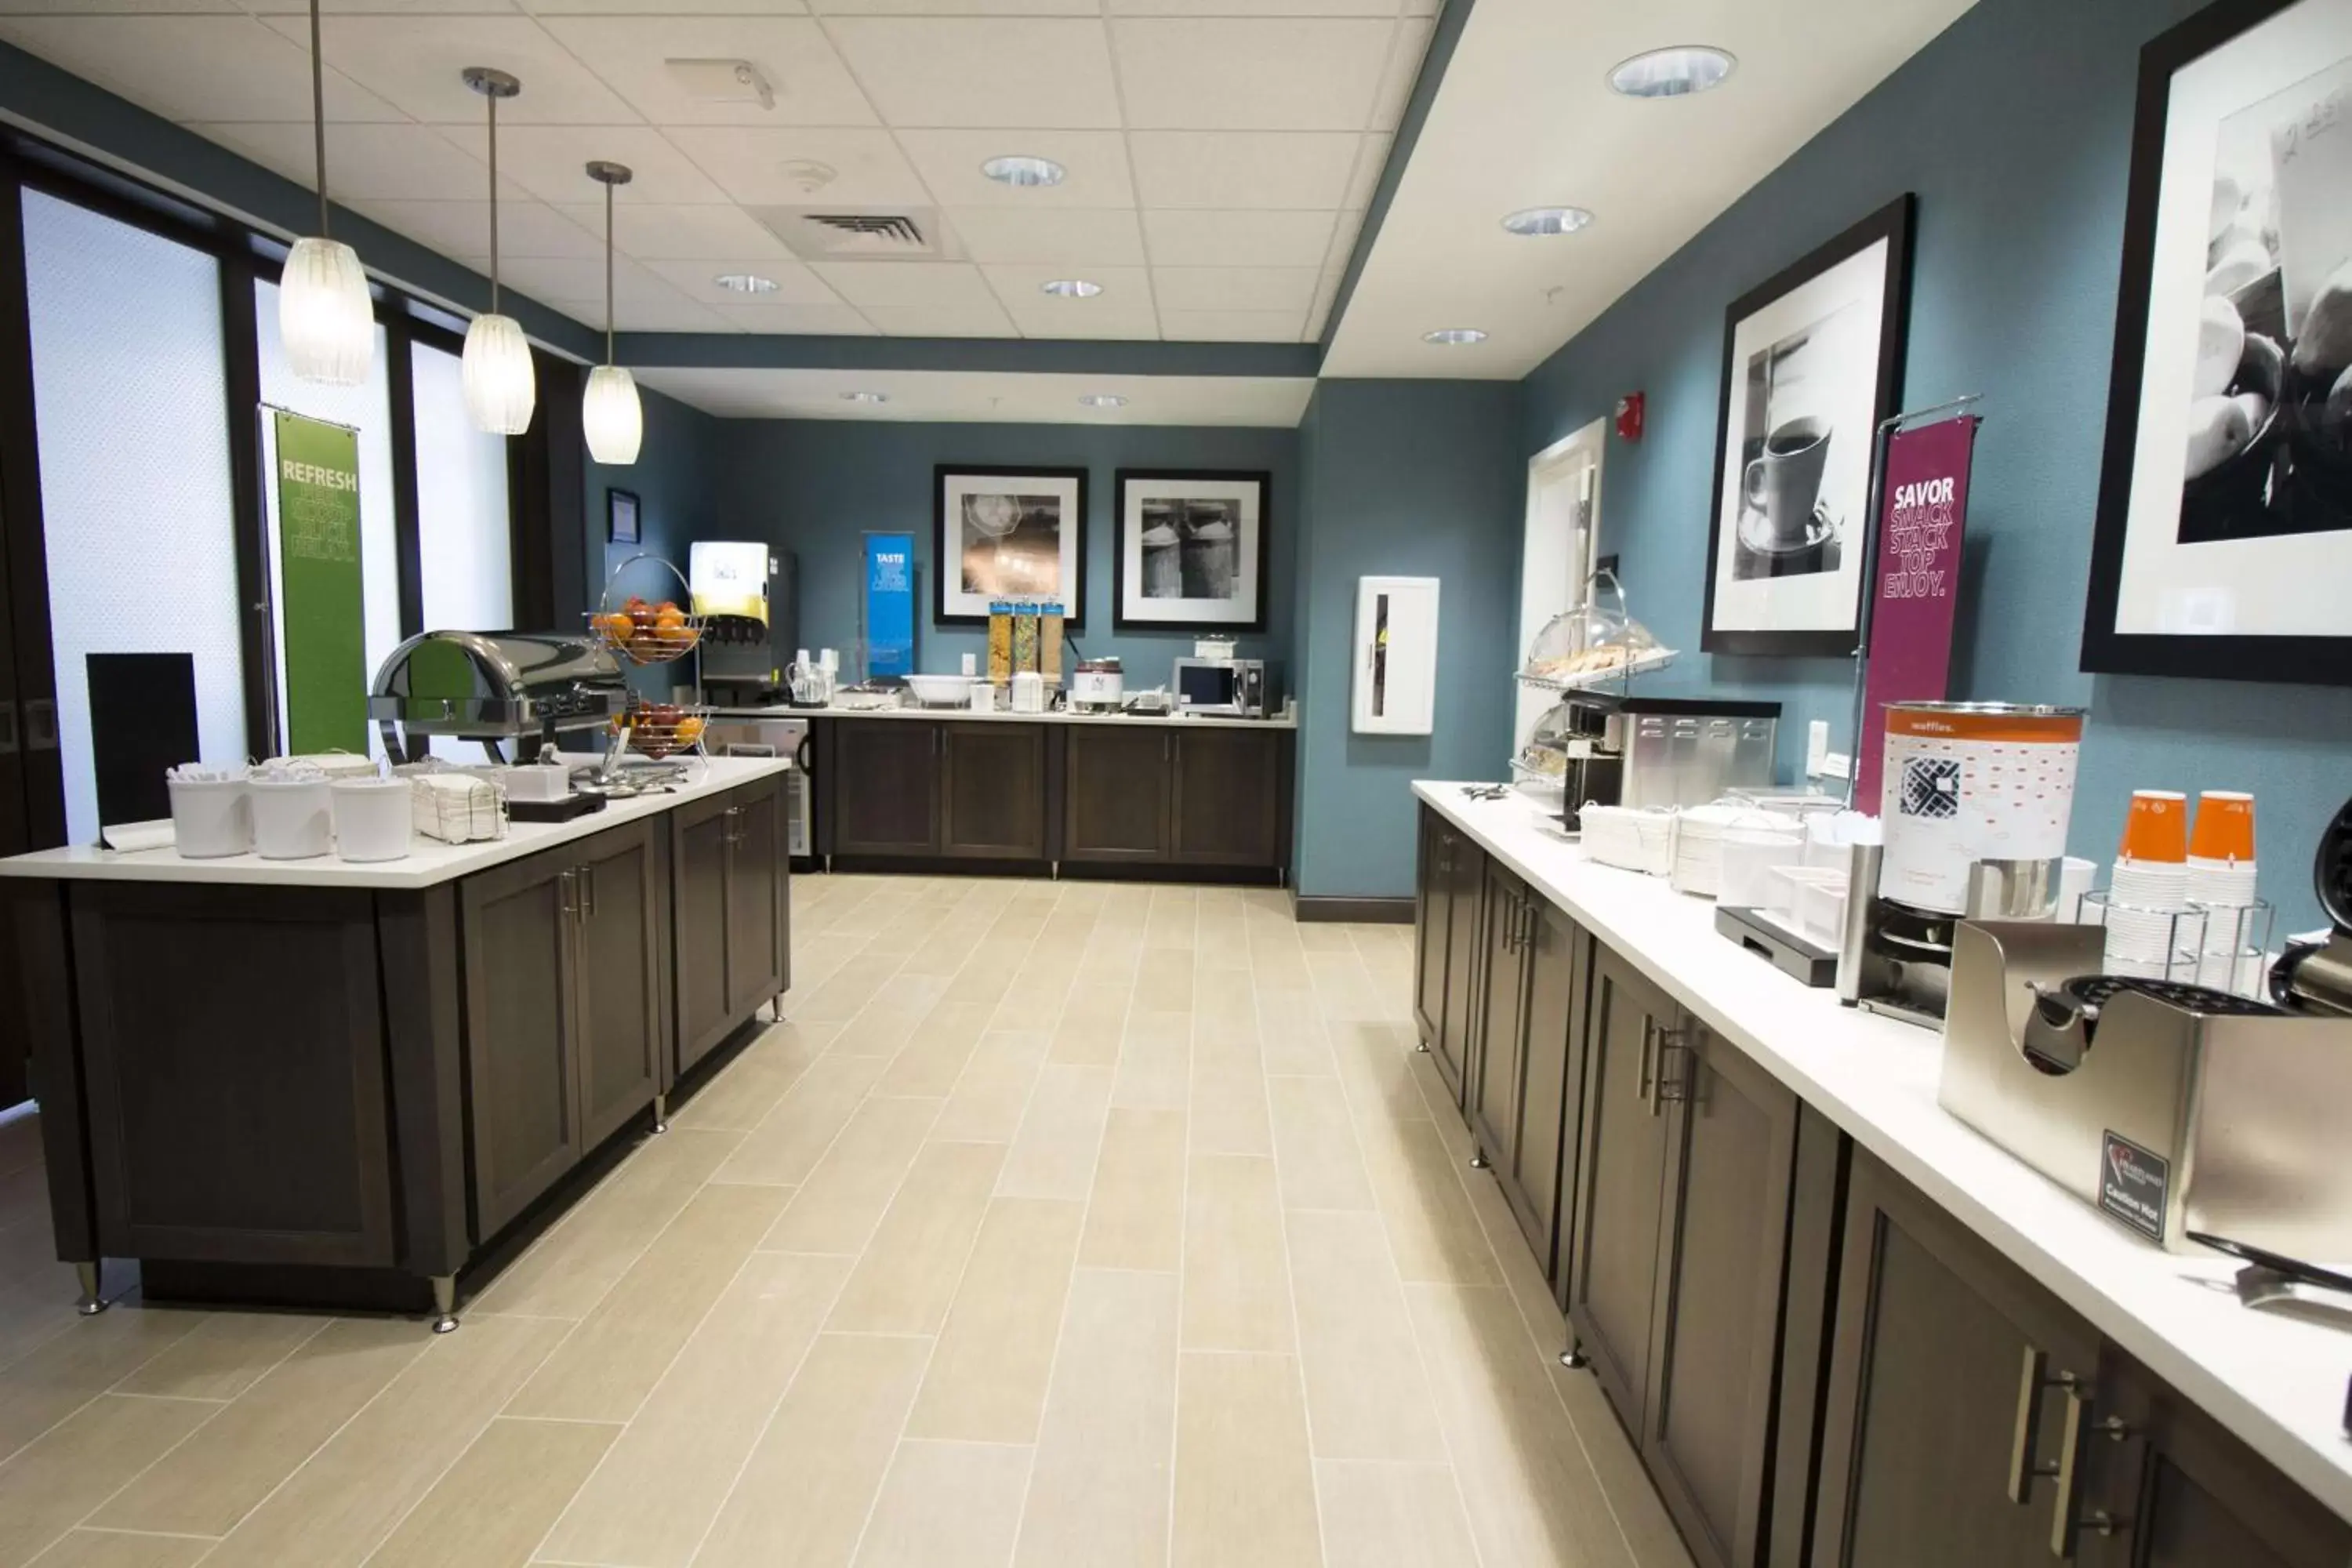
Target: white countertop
column 2277, row 1382
column 959, row 715
column 430, row 861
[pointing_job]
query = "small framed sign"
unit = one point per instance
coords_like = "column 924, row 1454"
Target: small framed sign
column 620, row 517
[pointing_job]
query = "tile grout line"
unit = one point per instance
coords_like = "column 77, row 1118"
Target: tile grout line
column 1183, row 1251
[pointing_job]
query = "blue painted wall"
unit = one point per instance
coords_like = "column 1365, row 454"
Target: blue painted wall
column 1414, row 478
column 2014, row 129
column 675, row 480
column 817, row 487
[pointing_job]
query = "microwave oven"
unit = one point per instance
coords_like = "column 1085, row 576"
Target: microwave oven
column 1227, row 688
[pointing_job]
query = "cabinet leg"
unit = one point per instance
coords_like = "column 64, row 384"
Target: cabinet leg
column 445, row 1303
column 661, row 1113
column 776, row 1008
column 1574, row 1358
column 1053, row 869
column 1479, row 1161
column 1421, row 1045
column 92, row 1302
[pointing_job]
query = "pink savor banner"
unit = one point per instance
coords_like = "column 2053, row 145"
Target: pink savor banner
column 1915, row 593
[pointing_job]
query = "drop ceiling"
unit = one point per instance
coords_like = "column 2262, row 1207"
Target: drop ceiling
column 986, row 398
column 1221, row 153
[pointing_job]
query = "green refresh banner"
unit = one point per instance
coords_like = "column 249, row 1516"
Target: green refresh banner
column 319, row 576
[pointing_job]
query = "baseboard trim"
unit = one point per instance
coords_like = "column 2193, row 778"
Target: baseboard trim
column 1356, row 912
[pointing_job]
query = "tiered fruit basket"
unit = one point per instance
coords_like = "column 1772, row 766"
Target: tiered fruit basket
column 662, row 730
column 643, row 630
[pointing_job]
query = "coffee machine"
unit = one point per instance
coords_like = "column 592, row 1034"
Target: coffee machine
column 744, row 593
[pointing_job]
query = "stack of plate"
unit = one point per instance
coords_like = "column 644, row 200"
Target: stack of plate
column 1698, row 842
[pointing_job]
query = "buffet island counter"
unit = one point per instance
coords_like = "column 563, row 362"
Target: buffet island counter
column 1840, row 1326
column 327, row 1083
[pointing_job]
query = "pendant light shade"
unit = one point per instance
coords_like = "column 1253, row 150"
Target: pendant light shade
column 611, row 416
column 325, row 316
column 500, row 388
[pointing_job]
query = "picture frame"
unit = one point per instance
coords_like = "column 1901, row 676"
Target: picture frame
column 621, row 517
column 1812, row 363
column 2222, row 544
column 1007, row 532
column 1190, row 550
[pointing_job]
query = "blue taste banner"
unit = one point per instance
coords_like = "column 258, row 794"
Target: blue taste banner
column 890, row 604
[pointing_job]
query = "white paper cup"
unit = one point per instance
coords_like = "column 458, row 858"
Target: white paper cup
column 211, row 818
column 373, row 818
column 293, row 819
column 1748, row 857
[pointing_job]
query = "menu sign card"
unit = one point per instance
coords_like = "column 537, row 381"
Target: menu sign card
column 316, row 468
column 1921, row 515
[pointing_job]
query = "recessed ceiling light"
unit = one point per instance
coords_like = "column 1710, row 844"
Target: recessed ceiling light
column 1676, row 72
column 1103, row 400
column 1533, row 221
column 1071, row 287
column 1454, row 336
column 745, row 283
column 1021, row 170
column 866, row 397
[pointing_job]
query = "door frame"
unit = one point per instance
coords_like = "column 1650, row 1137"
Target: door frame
column 1553, row 566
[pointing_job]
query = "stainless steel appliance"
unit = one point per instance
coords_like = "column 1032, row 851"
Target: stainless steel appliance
column 2170, row 1107
column 2315, row 973
column 763, row 735
column 1687, row 751
column 1228, row 687
column 500, row 689
column 1097, row 686
column 744, row 594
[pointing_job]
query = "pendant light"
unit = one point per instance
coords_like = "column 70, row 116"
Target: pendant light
column 501, row 386
column 325, row 318
column 610, row 413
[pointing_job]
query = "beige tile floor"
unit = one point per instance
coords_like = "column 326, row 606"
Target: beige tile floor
column 1062, row 1224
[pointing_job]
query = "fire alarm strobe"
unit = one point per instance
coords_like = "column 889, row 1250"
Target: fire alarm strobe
column 1630, row 409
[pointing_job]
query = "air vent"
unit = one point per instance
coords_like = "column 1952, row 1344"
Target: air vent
column 861, row 234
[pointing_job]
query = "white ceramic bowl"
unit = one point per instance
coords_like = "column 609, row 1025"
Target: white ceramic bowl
column 941, row 690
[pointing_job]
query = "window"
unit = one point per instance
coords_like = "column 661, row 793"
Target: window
column 461, row 505
column 131, row 395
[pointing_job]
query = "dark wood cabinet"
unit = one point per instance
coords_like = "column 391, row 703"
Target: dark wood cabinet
column 886, row 786
column 1456, row 1045
column 1430, row 907
column 1620, row 1192
column 992, row 791
column 1227, row 797
column 1551, row 1067
column 618, row 935
column 233, row 1046
column 1491, row 1090
column 731, row 919
column 1115, row 797
column 522, row 1030
column 1948, row 1373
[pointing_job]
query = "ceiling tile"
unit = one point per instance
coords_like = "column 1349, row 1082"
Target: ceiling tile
column 1126, row 292
column 662, row 8
column 1230, row 326
column 143, row 7
column 1228, row 74
column 696, row 279
column 414, row 7
column 1233, row 288
column 1306, row 169
column 1421, row 7
column 1244, row 238
column 1371, row 161
column 908, row 285
column 949, row 161
column 811, row 85
column 1404, row 68
column 1343, row 239
column 571, row 277
column 983, row 72
column 1130, row 326
column 665, row 232
column 391, row 163
column 1253, row 7
column 813, row 320
column 552, row 162
column 194, row 68
column 668, row 311
column 984, row 319
column 753, row 166
column 415, row 62
column 1061, row 236
column 959, row 7
column 525, row 227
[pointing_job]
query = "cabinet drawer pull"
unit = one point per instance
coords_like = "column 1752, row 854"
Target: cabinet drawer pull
column 1671, row 1044
column 2033, row 1378
column 567, row 894
column 2063, row 1524
column 588, row 891
column 1649, row 1046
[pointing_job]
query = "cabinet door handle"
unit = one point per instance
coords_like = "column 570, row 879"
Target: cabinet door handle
column 2070, row 1472
column 1649, row 1046
column 567, row 894
column 2033, row 1378
column 1671, row 1044
column 40, row 724
column 588, row 891
column 1166, row 747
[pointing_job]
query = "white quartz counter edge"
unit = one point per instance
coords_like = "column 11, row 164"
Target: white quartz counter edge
column 2277, row 1382
column 958, row 715
column 430, row 861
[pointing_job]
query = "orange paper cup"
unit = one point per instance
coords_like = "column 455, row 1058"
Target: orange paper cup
column 2157, row 827
column 2225, row 827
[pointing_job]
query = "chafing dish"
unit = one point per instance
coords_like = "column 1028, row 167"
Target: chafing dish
column 494, row 687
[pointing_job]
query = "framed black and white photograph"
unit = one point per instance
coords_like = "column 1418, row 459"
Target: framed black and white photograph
column 1192, row 549
column 2224, row 538
column 620, row 517
column 1812, row 361
column 1008, row 534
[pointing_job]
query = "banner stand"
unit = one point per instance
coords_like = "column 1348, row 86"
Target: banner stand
column 1864, row 763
